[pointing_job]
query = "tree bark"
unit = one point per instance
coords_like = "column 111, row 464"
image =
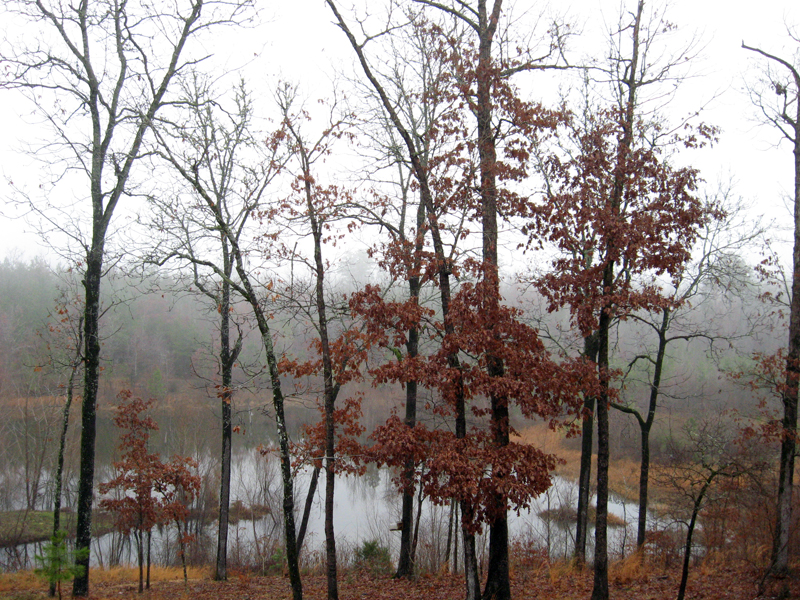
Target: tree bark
column 687, row 554
column 83, row 534
column 62, row 443
column 227, row 358
column 498, row 586
column 600, row 590
column 312, row 489
column 287, row 480
column 780, row 548
column 221, row 572
column 405, row 564
column 587, row 447
column 780, row 551
column 140, row 557
column 645, row 426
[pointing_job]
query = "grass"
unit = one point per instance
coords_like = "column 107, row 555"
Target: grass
column 623, row 472
column 26, row 526
column 25, row 582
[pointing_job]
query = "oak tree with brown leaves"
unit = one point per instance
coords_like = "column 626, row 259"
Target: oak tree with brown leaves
column 146, row 491
column 642, row 217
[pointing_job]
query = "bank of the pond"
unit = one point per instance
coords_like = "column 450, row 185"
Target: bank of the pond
column 31, row 526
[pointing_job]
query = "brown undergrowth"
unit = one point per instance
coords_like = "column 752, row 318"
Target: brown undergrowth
column 531, row 579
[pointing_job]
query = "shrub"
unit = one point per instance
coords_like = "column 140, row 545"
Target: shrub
column 373, row 558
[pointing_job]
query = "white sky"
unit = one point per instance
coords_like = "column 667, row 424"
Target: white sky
column 297, row 41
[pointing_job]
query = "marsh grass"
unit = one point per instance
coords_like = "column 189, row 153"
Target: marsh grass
column 28, row 526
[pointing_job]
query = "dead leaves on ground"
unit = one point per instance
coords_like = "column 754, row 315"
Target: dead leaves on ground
column 731, row 582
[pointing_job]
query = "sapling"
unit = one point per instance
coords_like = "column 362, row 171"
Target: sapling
column 58, row 563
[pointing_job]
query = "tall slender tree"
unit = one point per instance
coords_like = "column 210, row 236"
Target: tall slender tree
column 193, row 239
column 318, row 209
column 228, row 193
column 784, row 114
column 443, row 261
column 714, row 271
column 643, row 217
column 99, row 73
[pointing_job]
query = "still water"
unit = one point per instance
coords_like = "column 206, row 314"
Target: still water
column 367, row 508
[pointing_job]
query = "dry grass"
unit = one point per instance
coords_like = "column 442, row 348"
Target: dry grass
column 631, row 569
column 623, row 473
column 26, row 581
column 19, row 581
column 628, row 580
column 562, row 570
column 119, row 575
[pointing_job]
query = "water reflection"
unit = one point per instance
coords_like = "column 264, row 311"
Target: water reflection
column 366, row 508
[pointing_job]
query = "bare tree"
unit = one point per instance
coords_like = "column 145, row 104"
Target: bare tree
column 319, row 209
column 715, row 270
column 226, row 196
column 191, row 236
column 778, row 99
column 696, row 464
column 65, row 346
column 99, row 73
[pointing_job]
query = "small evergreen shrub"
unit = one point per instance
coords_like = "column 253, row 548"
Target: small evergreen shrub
column 58, row 563
column 373, row 558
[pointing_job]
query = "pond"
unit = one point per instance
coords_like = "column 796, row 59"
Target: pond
column 367, row 508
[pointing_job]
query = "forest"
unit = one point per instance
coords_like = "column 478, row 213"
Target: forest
column 472, row 324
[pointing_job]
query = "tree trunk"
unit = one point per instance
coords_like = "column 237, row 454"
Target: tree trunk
column 227, row 358
column 62, row 443
column 292, row 557
column 585, row 479
column 471, row 578
column 312, row 489
column 405, row 564
column 91, row 336
column 587, row 446
column 416, row 525
column 140, row 557
column 149, row 547
column 221, row 572
column 780, row 551
column 600, row 590
column 644, row 476
column 182, row 545
column 331, row 388
column 454, row 568
column 497, row 585
column 470, row 556
column 646, row 425
column 687, row 554
column 330, row 537
column 449, row 534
